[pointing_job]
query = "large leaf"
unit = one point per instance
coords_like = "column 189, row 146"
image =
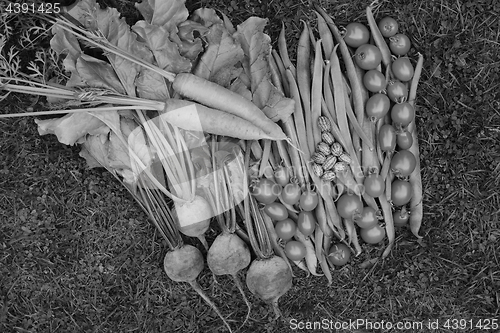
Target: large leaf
column 110, row 118
column 108, row 23
column 138, row 144
column 220, row 62
column 72, row 128
column 151, row 85
column 163, row 13
column 98, row 74
column 146, row 8
column 166, row 52
column 257, row 48
column 108, row 151
column 189, row 45
column 171, row 16
column 207, row 17
column 95, row 151
column 64, row 42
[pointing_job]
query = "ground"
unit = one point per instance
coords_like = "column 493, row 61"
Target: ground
column 78, row 255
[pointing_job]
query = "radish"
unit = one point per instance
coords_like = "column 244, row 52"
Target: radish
column 269, row 276
column 193, row 218
column 183, row 262
column 228, row 254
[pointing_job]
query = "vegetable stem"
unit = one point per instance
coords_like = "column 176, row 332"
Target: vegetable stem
column 194, row 284
column 102, row 42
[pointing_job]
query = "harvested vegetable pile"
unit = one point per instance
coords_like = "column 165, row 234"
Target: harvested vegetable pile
column 203, row 121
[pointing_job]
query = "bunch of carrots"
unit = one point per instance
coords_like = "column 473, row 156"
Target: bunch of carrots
column 316, row 178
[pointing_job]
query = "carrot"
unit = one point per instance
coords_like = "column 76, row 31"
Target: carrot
column 213, row 95
column 304, row 83
column 415, row 177
column 378, row 38
column 196, row 117
column 194, row 87
column 316, row 92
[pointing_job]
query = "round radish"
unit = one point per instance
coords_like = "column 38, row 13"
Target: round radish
column 228, row 255
column 269, row 279
column 193, row 218
column 184, row 264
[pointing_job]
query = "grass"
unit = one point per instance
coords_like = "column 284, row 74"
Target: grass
column 77, row 254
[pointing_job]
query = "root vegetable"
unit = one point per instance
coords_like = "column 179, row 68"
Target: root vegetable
column 193, row 218
column 215, row 96
column 228, row 254
column 196, row 117
column 269, row 279
column 184, row 264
